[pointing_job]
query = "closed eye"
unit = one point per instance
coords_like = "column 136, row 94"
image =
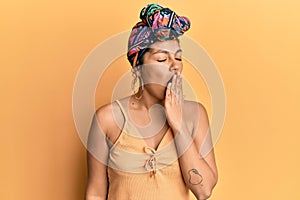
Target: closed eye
column 179, row 59
column 162, row 60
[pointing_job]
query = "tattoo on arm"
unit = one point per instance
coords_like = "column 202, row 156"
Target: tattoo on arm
column 195, row 177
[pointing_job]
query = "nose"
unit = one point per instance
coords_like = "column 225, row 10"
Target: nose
column 174, row 68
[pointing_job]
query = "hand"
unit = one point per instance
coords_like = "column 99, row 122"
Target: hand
column 174, row 103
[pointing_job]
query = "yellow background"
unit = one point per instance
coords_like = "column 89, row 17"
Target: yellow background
column 255, row 45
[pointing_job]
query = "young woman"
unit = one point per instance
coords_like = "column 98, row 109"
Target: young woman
column 148, row 145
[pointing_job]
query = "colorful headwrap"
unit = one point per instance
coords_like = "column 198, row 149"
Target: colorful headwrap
column 158, row 24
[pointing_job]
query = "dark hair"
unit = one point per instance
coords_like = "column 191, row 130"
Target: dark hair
column 140, row 59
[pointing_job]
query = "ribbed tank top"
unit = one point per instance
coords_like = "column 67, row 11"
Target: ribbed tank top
column 139, row 172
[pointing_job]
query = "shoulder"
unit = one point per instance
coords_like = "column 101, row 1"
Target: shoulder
column 104, row 116
column 109, row 117
column 194, row 107
column 195, row 112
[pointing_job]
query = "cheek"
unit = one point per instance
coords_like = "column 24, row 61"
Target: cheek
column 156, row 74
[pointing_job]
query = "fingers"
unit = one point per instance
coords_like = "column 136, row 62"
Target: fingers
column 168, row 92
column 174, row 89
column 173, row 86
column 179, row 88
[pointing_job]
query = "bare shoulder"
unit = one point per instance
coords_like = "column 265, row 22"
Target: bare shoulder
column 110, row 119
column 196, row 118
column 104, row 116
column 194, row 109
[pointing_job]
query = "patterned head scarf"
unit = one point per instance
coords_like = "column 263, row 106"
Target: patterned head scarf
column 158, row 24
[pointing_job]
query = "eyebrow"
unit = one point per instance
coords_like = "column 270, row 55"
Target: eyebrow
column 164, row 51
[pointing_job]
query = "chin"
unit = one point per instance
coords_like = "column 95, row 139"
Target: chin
column 158, row 91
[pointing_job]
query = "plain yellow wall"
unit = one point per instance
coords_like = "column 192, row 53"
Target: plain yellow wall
column 255, row 45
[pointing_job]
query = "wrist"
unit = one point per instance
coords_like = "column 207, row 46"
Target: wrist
column 179, row 128
column 182, row 139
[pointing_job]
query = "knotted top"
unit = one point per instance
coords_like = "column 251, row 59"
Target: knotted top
column 158, row 24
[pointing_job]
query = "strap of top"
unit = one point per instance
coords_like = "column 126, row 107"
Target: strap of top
column 122, row 109
column 128, row 127
column 148, row 161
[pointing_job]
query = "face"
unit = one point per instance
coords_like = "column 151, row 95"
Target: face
column 159, row 65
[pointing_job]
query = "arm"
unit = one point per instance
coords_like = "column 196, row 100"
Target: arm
column 96, row 188
column 97, row 154
column 199, row 173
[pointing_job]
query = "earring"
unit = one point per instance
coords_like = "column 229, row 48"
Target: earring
column 141, row 82
column 142, row 86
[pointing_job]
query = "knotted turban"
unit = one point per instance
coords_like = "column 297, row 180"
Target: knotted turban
column 157, row 24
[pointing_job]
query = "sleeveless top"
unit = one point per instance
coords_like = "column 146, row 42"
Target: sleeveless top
column 139, row 172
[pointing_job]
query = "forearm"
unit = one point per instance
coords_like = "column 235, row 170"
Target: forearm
column 93, row 193
column 91, row 197
column 197, row 174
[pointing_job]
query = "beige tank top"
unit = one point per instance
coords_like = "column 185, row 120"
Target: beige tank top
column 139, row 172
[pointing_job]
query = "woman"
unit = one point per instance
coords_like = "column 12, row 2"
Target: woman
column 148, row 145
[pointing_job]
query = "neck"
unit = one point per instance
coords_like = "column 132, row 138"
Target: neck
column 146, row 100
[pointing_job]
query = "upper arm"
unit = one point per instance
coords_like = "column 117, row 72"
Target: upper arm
column 97, row 155
column 97, row 183
column 203, row 139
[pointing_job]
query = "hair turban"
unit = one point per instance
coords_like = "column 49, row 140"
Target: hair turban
column 157, row 24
